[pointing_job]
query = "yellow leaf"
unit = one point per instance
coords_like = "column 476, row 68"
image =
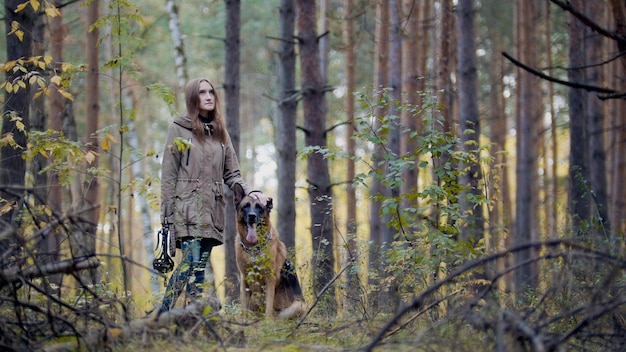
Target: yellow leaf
column 56, row 80
column 67, row 95
column 21, row 7
column 20, row 35
column 105, row 145
column 42, row 65
column 90, row 157
column 53, row 12
column 20, row 125
column 43, row 153
column 47, row 59
column 7, row 139
column 37, row 94
column 21, row 84
column 32, row 80
column 35, row 4
column 111, row 137
column 6, row 207
column 9, row 88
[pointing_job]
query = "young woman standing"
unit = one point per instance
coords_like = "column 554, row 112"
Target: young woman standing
column 198, row 161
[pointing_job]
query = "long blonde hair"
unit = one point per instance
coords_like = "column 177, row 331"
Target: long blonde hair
column 192, row 101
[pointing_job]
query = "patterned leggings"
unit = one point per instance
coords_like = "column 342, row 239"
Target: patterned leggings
column 190, row 271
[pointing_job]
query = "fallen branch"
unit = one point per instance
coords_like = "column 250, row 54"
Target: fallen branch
column 62, row 267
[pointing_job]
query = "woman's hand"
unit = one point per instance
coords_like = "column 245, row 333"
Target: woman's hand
column 260, row 196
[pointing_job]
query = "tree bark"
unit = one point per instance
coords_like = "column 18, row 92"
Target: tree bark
column 469, row 120
column 180, row 59
column 286, row 126
column 351, row 216
column 92, row 185
column 381, row 44
column 578, row 201
column 232, row 94
column 414, row 55
column 16, row 103
column 318, row 177
column 595, row 124
column 525, row 212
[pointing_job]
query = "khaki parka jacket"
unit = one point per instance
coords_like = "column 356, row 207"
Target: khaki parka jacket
column 193, row 176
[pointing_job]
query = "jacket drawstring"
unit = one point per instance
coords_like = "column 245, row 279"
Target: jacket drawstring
column 188, row 152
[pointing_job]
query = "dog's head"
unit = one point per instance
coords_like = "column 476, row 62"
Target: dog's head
column 252, row 216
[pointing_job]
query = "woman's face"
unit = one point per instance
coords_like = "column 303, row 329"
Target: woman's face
column 206, row 95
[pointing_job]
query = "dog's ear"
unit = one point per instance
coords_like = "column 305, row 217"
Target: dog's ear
column 269, row 205
column 239, row 193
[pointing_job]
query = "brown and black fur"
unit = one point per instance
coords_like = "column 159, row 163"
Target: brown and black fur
column 268, row 280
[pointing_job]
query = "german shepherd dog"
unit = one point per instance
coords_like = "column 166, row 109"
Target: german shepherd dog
column 268, row 280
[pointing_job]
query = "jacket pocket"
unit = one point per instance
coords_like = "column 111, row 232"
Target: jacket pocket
column 219, row 204
column 187, row 201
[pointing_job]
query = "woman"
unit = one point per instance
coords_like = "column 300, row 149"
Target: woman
column 198, row 161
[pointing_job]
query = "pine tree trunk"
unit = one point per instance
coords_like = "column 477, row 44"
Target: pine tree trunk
column 319, row 187
column 231, row 92
column 351, row 220
column 13, row 166
column 286, row 126
column 595, row 123
column 526, row 154
column 468, row 118
column 376, row 188
column 578, row 201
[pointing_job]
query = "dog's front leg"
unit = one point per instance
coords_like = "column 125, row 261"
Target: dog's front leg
column 244, row 294
column 270, row 291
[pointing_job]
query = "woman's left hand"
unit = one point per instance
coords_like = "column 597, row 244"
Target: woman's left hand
column 262, row 198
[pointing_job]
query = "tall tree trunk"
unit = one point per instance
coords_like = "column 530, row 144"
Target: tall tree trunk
column 351, row 223
column 92, row 186
column 552, row 213
column 232, row 93
column 180, row 58
column 50, row 246
column 469, row 119
column 286, row 126
column 526, row 153
column 395, row 94
column 414, row 54
column 381, row 44
column 595, row 124
column 446, row 44
column 617, row 172
column 578, row 199
column 498, row 128
column 16, row 103
column 319, row 187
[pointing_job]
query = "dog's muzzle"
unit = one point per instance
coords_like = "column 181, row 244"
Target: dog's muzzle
column 251, row 235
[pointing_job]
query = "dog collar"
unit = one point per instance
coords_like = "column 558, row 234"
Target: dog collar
column 255, row 249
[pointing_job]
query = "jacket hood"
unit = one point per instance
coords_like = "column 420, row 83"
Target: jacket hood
column 184, row 121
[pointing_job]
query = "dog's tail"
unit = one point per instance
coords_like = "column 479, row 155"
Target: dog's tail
column 295, row 310
column 289, row 276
